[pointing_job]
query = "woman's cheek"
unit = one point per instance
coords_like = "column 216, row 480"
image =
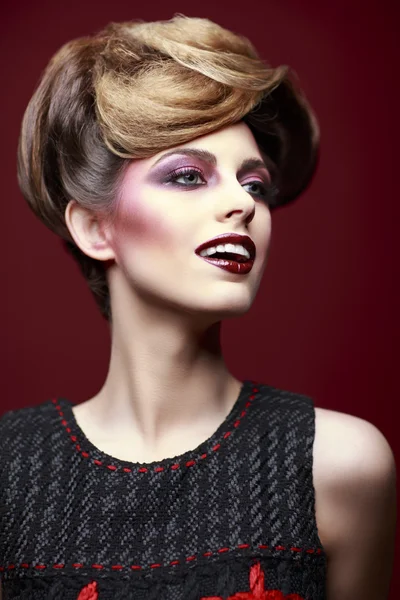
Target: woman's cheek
column 138, row 223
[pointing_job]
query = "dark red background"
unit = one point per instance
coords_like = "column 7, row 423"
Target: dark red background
column 325, row 321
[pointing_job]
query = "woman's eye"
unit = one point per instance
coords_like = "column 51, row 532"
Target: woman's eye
column 188, row 177
column 266, row 191
column 256, row 187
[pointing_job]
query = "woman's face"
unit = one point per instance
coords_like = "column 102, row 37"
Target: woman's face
column 174, row 201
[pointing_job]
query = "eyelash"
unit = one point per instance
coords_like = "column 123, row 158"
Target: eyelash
column 269, row 195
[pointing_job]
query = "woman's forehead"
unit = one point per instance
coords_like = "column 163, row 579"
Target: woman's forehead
column 231, row 141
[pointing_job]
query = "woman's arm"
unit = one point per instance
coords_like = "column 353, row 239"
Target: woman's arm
column 355, row 483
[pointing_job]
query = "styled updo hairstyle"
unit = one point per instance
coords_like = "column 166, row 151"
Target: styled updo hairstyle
column 129, row 92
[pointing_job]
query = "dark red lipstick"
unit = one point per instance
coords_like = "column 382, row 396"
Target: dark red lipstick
column 230, row 261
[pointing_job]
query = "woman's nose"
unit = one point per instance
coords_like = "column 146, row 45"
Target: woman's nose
column 234, row 200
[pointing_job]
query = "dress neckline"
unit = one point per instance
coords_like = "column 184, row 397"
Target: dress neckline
column 81, row 444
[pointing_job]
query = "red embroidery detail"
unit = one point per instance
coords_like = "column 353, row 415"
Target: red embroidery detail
column 257, row 591
column 89, row 592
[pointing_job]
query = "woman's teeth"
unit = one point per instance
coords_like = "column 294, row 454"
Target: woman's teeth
column 232, row 248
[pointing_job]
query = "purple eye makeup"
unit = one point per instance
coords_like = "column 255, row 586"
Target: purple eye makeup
column 176, row 169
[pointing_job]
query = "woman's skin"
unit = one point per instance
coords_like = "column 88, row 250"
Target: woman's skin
column 168, row 388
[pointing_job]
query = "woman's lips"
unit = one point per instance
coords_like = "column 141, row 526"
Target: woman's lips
column 230, row 238
column 233, row 266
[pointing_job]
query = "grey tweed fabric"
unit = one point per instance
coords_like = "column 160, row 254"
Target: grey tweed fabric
column 237, row 514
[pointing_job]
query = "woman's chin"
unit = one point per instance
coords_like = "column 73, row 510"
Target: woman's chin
column 217, row 312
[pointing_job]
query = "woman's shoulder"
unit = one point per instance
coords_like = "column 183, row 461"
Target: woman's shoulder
column 353, row 469
column 349, row 443
column 19, row 425
column 24, row 414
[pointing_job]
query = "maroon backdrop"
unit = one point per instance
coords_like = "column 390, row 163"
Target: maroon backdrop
column 325, row 320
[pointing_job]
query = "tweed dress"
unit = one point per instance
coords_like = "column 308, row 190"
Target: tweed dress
column 233, row 519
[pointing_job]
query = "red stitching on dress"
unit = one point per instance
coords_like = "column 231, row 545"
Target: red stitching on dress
column 89, row 592
column 173, row 562
column 257, row 590
column 190, row 463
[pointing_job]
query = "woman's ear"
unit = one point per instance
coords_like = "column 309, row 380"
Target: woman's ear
column 89, row 231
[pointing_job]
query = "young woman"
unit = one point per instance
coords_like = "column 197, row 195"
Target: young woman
column 157, row 152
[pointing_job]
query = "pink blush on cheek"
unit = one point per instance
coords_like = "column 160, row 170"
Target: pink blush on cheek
column 137, row 223
column 140, row 222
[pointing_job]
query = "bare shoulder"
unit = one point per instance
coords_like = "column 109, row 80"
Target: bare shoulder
column 346, row 446
column 354, row 476
column 350, row 455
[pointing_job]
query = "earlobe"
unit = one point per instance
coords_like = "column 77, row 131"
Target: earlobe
column 88, row 231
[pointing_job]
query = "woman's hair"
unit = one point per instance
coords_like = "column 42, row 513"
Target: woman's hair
column 129, row 92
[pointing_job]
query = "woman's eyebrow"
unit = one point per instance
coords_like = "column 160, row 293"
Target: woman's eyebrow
column 247, row 164
column 195, row 152
column 252, row 163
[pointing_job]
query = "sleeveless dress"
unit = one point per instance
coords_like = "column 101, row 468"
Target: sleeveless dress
column 233, row 519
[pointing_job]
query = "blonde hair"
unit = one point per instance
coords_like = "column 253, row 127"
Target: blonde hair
column 128, row 92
